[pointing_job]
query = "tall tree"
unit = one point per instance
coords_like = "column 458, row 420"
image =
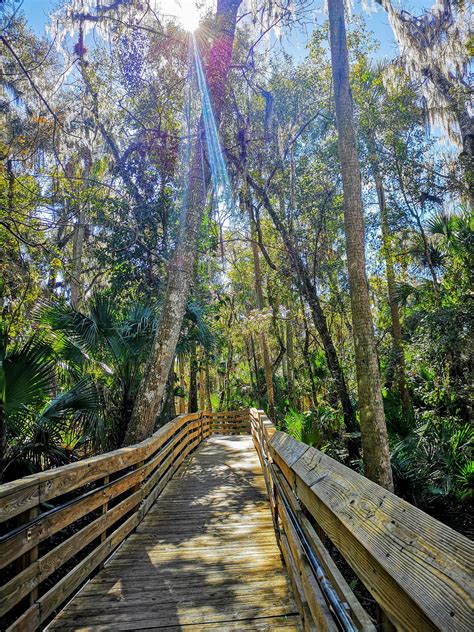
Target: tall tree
column 398, row 353
column 372, row 418
column 267, row 363
column 309, row 292
column 181, row 267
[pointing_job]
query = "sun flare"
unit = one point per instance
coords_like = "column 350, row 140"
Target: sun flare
column 185, row 12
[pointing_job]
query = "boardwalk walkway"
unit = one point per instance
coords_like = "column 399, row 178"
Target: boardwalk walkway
column 176, row 533
column 204, row 558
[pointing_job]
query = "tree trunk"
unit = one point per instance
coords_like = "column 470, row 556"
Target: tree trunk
column 399, row 356
column 181, row 268
column 376, row 453
column 168, row 409
column 202, row 387
column 77, row 248
column 255, row 365
column 182, row 384
column 223, row 400
column 290, row 354
column 307, row 359
column 208, row 386
column 309, row 291
column 193, row 390
column 267, row 363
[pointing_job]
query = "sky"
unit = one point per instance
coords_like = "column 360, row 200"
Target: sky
column 36, row 12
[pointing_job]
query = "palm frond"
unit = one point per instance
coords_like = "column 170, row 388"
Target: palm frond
column 82, row 397
column 88, row 331
column 440, row 224
column 201, row 332
column 403, row 291
column 26, row 374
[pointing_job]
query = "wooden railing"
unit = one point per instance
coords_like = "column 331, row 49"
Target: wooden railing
column 60, row 526
column 418, row 570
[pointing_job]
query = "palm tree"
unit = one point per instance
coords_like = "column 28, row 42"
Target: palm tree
column 41, row 426
column 108, row 343
column 195, row 332
column 112, row 345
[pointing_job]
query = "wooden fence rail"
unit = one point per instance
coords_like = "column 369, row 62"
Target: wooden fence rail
column 418, row 570
column 59, row 526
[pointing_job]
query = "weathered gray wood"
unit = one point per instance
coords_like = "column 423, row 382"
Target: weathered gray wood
column 418, row 570
column 179, row 567
column 312, row 593
column 155, row 462
column 23, row 583
column 298, row 591
column 360, row 617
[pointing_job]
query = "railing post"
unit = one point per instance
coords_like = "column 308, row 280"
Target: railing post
column 104, row 507
column 30, row 556
column 383, row 622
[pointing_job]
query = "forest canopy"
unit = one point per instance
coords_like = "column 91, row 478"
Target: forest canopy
column 241, row 203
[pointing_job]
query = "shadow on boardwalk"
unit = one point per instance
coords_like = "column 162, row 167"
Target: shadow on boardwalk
column 204, row 558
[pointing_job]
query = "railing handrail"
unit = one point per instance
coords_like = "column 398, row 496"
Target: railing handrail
column 418, row 570
column 25, row 493
column 121, row 485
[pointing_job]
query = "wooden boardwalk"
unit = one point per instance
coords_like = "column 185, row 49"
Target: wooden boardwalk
column 183, row 526
column 204, row 558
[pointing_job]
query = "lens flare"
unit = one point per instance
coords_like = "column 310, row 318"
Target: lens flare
column 189, row 17
column 185, row 12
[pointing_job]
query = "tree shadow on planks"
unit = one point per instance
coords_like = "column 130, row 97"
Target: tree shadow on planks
column 206, row 553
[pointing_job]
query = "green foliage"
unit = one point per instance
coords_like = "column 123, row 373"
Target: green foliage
column 89, row 220
column 44, row 427
column 434, row 462
column 302, row 427
column 315, row 428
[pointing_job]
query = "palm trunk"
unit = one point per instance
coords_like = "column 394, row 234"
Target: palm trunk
column 208, row 386
column 372, row 418
column 182, row 384
column 202, row 387
column 181, row 268
column 168, row 409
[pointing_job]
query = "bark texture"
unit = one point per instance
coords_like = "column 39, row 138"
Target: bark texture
column 398, row 354
column 372, row 418
column 193, row 385
column 181, row 269
column 309, row 292
column 290, row 354
column 267, row 363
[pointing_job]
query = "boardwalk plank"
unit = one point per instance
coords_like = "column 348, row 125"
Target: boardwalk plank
column 204, row 558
